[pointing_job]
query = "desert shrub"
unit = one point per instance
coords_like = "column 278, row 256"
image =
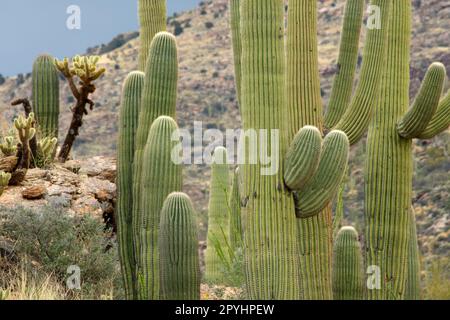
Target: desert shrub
column 50, row 240
column 437, row 279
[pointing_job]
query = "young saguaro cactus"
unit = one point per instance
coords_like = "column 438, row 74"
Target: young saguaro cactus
column 178, row 247
column 218, row 216
column 152, row 17
column 388, row 186
column 159, row 98
column 160, row 177
column 45, row 96
column 348, row 275
column 128, row 120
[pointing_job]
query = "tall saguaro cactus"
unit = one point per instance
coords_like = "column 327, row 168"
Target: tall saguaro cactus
column 128, row 119
column 348, row 275
column 388, row 188
column 218, row 216
column 160, row 177
column 152, row 17
column 236, row 232
column 159, row 98
column 46, row 95
column 178, row 247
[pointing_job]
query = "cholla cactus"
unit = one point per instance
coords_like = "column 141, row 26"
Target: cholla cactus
column 46, row 151
column 25, row 128
column 86, row 69
column 8, row 147
column 4, row 181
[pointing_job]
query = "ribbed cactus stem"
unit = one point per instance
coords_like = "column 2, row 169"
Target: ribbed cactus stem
column 357, row 117
column 317, row 195
column 341, row 93
column 128, row 120
column 218, row 216
column 4, row 181
column 440, row 121
column 303, row 156
column 45, row 80
column 388, row 186
column 235, row 22
column 152, row 18
column 425, row 105
column 159, row 98
column 236, row 232
column 348, row 276
column 160, row 177
column 413, row 287
column 178, row 247
column 270, row 232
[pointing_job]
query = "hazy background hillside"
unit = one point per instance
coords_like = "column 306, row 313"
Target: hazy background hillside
column 207, row 93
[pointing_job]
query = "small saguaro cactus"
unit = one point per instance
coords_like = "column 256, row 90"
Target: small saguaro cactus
column 178, row 247
column 87, row 71
column 152, row 17
column 236, row 240
column 8, row 147
column 160, row 177
column 46, row 95
column 348, row 275
column 4, row 181
column 128, row 120
column 218, row 216
column 159, row 98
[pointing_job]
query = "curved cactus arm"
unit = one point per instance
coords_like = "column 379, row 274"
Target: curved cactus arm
column 160, row 177
column 159, row 97
column 348, row 275
column 315, row 196
column 440, row 121
column 128, row 119
column 4, row 181
column 356, row 119
column 152, row 18
column 235, row 17
column 178, row 247
column 417, row 118
column 303, row 158
column 341, row 93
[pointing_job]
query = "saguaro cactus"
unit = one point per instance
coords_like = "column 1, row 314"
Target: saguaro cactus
column 235, row 213
column 46, row 95
column 160, row 177
column 388, row 189
column 178, row 247
column 128, row 119
column 152, row 17
column 159, row 98
column 218, row 216
column 348, row 275
column 235, row 21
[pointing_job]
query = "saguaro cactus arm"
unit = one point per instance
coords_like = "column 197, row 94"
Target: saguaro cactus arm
column 417, row 118
column 440, row 121
column 341, row 93
column 178, row 247
column 317, row 194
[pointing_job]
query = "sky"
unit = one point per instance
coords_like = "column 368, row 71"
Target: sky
column 31, row 27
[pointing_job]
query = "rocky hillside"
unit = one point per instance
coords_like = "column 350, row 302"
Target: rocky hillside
column 207, row 93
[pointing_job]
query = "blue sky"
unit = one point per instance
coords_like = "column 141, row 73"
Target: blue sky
column 31, row 27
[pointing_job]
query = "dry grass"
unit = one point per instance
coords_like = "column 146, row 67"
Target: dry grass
column 437, row 282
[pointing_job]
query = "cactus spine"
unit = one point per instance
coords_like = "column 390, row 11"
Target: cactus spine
column 160, row 177
column 128, row 119
column 178, row 247
column 348, row 275
column 159, row 96
column 235, row 213
column 46, row 95
column 152, row 17
column 218, row 216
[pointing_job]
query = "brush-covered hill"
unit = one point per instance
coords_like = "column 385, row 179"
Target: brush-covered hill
column 206, row 93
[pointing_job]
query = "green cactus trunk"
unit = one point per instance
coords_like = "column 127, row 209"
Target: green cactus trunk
column 270, row 233
column 218, row 217
column 235, row 23
column 128, row 120
column 178, row 247
column 413, row 289
column 235, row 213
column 159, row 97
column 348, row 275
column 388, row 190
column 160, row 177
column 46, row 95
column 152, row 18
